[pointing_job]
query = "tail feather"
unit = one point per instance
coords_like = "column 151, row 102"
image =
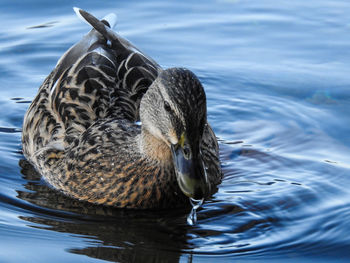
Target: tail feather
column 117, row 41
column 71, row 55
column 111, row 18
column 101, row 27
column 102, row 30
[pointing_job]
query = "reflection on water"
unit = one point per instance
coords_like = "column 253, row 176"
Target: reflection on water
column 277, row 84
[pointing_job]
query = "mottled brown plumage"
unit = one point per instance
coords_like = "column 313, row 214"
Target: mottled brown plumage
column 81, row 132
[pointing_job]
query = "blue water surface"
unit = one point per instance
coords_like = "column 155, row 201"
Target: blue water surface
column 276, row 75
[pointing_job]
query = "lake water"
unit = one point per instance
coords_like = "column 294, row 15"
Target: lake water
column 277, row 79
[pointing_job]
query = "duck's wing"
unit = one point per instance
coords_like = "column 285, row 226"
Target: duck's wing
column 135, row 70
column 112, row 61
column 102, row 76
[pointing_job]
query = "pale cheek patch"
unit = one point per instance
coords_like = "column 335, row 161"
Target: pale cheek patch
column 173, row 137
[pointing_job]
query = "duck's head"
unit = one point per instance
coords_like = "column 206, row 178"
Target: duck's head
column 174, row 111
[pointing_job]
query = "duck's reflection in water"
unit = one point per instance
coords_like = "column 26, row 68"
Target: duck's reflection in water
column 111, row 234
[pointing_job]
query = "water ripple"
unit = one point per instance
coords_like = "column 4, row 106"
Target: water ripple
column 277, row 84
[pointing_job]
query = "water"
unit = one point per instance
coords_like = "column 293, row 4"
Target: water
column 276, row 74
column 192, row 217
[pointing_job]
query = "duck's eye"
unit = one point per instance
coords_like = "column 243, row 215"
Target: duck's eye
column 167, row 106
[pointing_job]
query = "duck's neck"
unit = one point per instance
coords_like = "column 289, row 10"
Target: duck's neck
column 154, row 148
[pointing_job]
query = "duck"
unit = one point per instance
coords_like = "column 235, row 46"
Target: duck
column 109, row 126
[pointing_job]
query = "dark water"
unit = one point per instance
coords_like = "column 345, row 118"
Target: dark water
column 277, row 79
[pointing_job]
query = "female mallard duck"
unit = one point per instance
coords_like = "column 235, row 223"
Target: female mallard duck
column 82, row 131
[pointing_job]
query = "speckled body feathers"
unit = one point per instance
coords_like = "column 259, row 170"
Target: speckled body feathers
column 80, row 130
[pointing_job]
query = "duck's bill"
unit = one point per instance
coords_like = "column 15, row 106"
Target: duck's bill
column 190, row 173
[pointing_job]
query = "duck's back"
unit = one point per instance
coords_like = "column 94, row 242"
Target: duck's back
column 102, row 76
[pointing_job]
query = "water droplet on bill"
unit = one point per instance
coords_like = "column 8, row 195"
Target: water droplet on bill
column 192, row 217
